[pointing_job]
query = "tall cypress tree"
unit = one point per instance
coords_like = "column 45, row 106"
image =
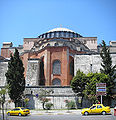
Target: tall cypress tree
column 108, row 69
column 15, row 78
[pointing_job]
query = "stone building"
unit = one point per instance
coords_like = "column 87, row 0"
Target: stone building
column 49, row 58
column 50, row 62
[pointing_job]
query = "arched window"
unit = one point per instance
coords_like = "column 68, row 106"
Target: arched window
column 56, row 67
column 81, row 49
column 52, row 35
column 57, row 34
column 67, row 34
column 56, row 44
column 56, row 82
column 48, row 35
column 48, row 44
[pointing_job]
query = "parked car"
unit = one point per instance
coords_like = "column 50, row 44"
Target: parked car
column 19, row 111
column 96, row 109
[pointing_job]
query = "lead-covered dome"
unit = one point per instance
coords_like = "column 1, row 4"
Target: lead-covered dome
column 60, row 29
column 60, row 33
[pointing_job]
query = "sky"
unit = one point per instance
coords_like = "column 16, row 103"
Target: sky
column 21, row 19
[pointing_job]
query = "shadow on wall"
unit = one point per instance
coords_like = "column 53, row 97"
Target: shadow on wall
column 41, row 72
column 31, row 102
column 85, row 103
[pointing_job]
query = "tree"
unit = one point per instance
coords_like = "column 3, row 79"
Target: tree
column 42, row 96
column 78, row 84
column 3, row 91
column 108, row 69
column 15, row 78
column 70, row 104
column 90, row 89
column 26, row 100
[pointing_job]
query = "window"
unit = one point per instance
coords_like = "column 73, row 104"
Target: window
column 67, row 35
column 44, row 36
column 71, row 35
column 57, row 34
column 62, row 34
column 81, row 49
column 52, row 35
column 56, row 67
column 93, row 107
column 99, row 106
column 56, row 44
column 76, row 35
column 48, row 44
column 56, row 82
column 48, row 35
column 85, row 41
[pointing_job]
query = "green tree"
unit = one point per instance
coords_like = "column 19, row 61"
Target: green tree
column 3, row 91
column 70, row 104
column 42, row 96
column 78, row 84
column 108, row 69
column 15, row 78
column 90, row 89
column 26, row 100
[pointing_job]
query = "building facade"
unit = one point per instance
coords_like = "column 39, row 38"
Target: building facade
column 51, row 60
column 53, row 54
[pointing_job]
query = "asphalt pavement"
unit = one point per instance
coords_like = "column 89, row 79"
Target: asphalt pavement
column 61, row 115
column 59, row 112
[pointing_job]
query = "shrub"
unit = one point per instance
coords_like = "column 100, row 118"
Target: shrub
column 70, row 104
column 48, row 106
column 26, row 100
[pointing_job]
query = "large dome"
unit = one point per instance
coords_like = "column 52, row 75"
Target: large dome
column 60, row 29
column 60, row 33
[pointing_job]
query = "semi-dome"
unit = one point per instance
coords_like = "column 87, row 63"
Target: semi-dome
column 60, row 29
column 60, row 33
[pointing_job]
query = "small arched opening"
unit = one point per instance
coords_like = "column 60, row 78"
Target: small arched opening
column 56, row 82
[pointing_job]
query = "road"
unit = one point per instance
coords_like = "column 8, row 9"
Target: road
column 63, row 117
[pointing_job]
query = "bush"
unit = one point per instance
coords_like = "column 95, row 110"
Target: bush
column 48, row 106
column 70, row 104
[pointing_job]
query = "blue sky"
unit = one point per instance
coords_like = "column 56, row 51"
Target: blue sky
column 29, row 18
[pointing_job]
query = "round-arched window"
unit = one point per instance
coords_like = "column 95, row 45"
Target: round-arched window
column 56, row 44
column 56, row 68
column 48, row 44
column 56, row 82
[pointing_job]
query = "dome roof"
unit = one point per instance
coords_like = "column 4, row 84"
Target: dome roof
column 60, row 29
column 60, row 32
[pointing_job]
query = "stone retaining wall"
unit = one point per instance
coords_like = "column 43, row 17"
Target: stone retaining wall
column 57, row 96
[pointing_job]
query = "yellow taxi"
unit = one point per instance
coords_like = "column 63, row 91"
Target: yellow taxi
column 19, row 111
column 96, row 109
